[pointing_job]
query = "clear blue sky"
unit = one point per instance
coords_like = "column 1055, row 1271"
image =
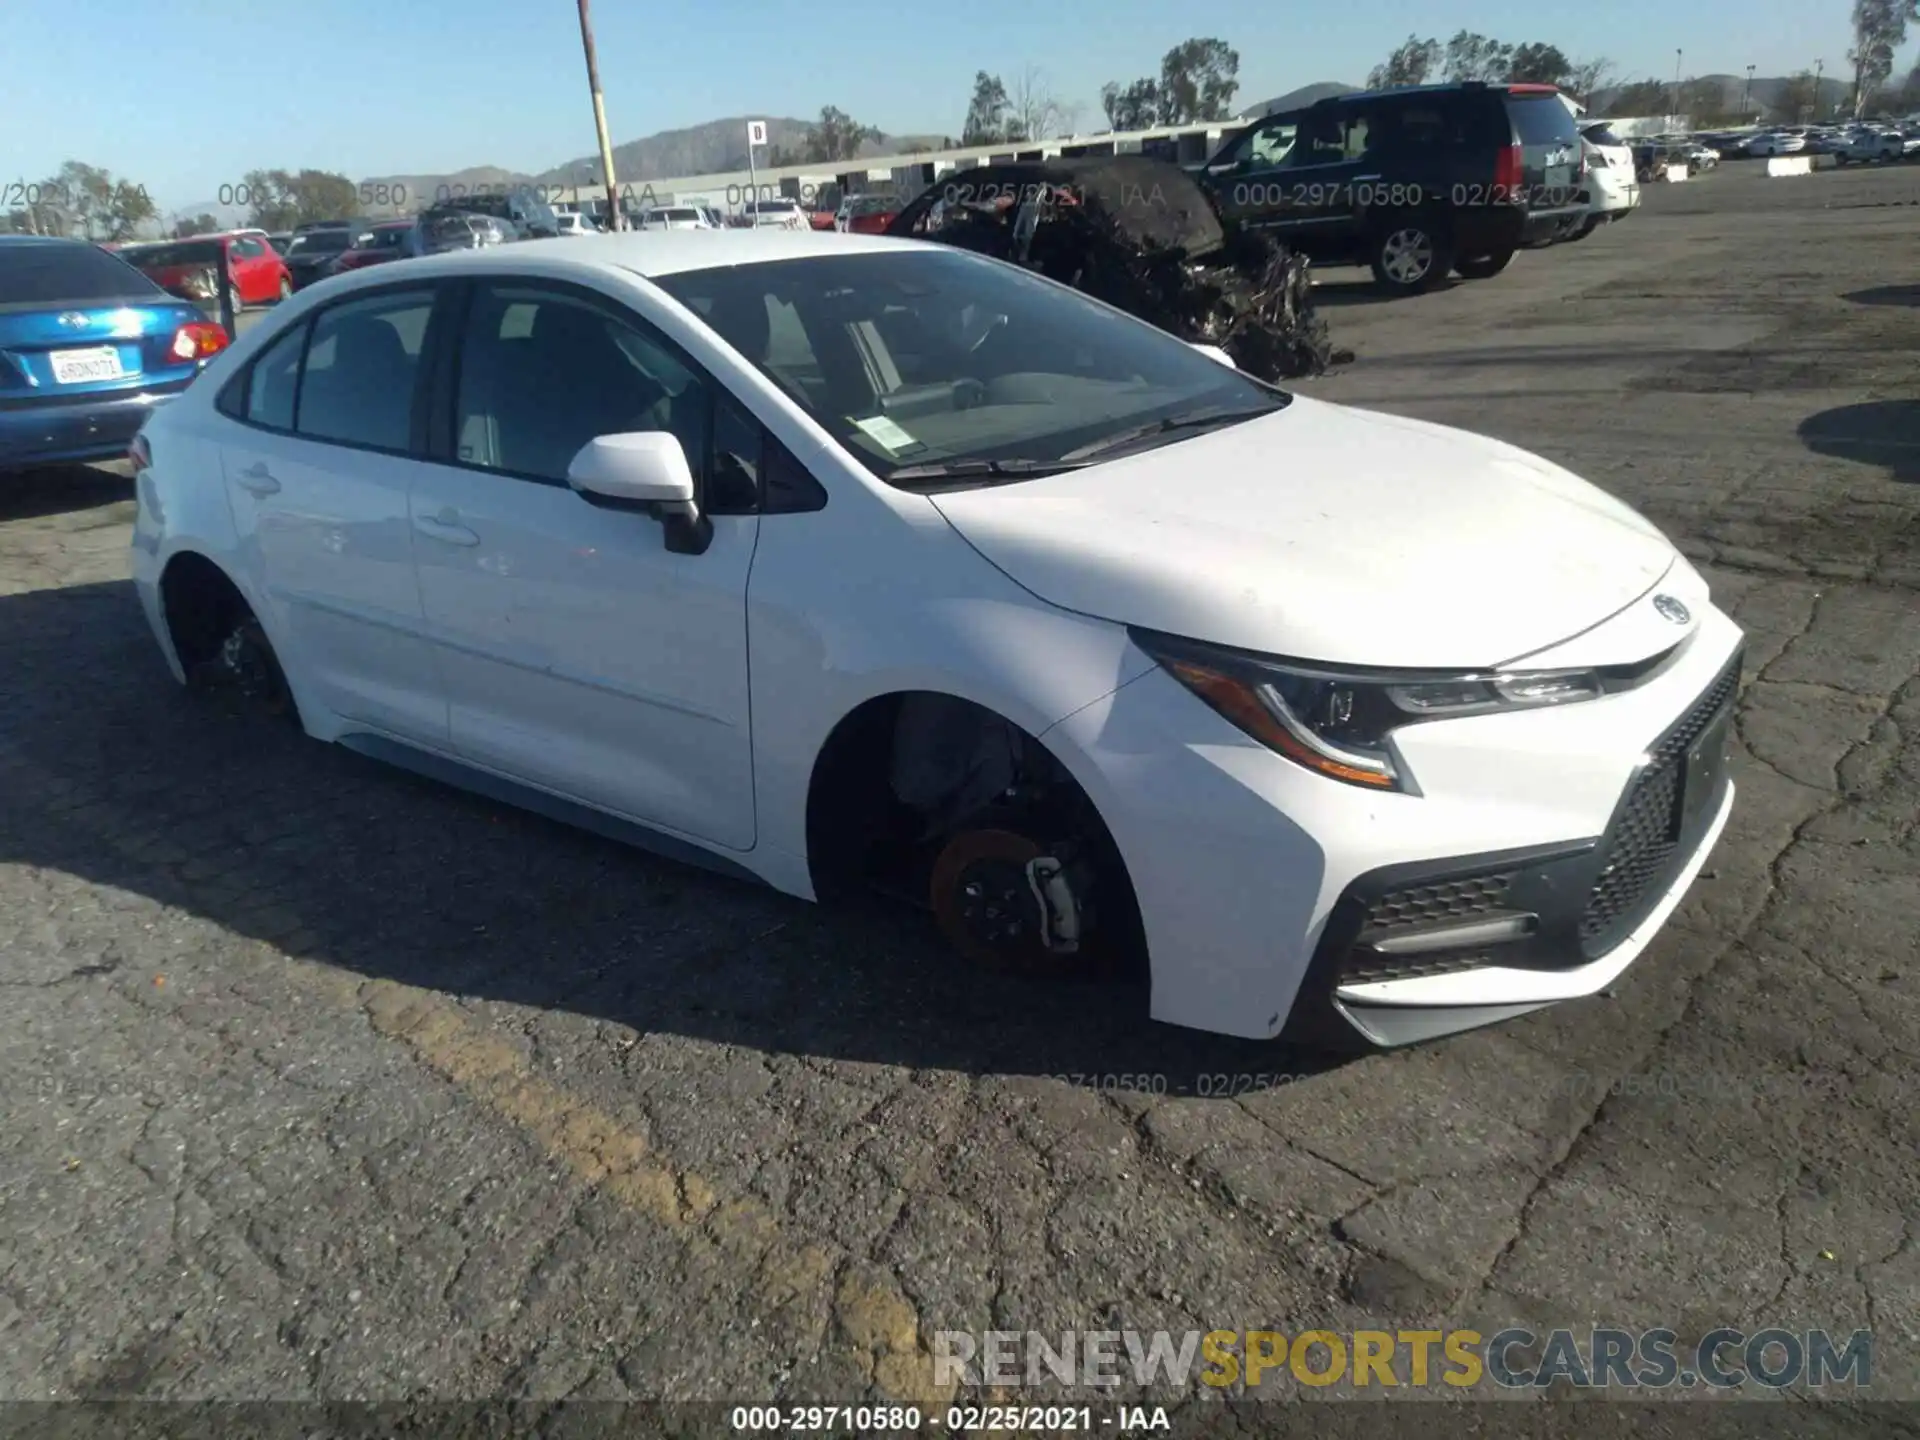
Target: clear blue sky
column 186, row 95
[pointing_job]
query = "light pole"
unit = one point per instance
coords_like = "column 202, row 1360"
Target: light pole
column 1746, row 96
column 600, row 119
column 1818, row 66
column 1676, row 82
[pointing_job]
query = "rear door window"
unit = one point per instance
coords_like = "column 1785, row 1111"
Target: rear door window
column 69, row 272
column 362, row 363
column 274, row 378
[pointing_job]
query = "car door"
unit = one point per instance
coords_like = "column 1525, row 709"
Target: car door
column 317, row 469
column 579, row 653
column 245, row 259
column 1291, row 174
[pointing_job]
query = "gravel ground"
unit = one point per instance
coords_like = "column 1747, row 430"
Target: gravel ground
column 324, row 1082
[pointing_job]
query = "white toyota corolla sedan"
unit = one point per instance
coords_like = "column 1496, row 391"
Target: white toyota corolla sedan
column 844, row 561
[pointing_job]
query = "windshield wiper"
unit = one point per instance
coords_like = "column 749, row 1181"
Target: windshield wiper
column 982, row 470
column 1190, row 420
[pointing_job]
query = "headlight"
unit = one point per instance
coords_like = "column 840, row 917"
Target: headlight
column 1339, row 723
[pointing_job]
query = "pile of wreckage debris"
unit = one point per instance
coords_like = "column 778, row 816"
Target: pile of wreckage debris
column 1145, row 237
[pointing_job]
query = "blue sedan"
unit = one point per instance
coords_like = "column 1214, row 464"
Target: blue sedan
column 88, row 347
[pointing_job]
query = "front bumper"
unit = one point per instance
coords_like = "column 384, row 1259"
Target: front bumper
column 74, row 430
column 1613, row 194
column 1265, row 891
column 1414, row 951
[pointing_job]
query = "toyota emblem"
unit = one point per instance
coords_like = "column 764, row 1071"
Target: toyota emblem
column 1672, row 609
column 72, row 319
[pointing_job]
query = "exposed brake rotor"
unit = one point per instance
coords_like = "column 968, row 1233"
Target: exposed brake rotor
column 1001, row 902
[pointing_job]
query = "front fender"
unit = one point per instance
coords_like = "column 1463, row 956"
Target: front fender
column 921, row 612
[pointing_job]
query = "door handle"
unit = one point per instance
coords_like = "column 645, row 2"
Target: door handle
column 256, row 479
column 445, row 530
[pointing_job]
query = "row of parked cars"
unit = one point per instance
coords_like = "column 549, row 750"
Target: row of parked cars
column 864, row 214
column 1862, row 141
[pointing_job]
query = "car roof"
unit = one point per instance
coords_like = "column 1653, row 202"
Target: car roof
column 649, row 253
column 1461, row 87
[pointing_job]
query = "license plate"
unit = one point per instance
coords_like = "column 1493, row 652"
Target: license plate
column 1559, row 177
column 75, row 367
column 1706, row 762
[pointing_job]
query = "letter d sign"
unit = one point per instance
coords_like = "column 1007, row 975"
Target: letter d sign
column 756, row 132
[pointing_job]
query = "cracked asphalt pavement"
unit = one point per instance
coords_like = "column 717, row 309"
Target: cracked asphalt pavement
column 325, row 1082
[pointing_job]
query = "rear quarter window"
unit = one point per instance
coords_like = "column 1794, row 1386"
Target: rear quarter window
column 1542, row 120
column 77, row 273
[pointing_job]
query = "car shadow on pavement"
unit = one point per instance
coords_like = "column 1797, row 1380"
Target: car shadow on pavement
column 116, row 776
column 1344, row 293
column 1885, row 295
column 60, row 489
column 1880, row 432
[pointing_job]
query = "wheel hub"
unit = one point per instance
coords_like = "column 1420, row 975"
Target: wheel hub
column 249, row 663
column 984, row 902
column 1408, row 255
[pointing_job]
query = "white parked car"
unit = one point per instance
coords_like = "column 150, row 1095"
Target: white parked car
column 834, row 559
column 1775, row 142
column 1865, row 144
column 572, row 222
column 777, row 214
column 1613, row 187
column 674, row 217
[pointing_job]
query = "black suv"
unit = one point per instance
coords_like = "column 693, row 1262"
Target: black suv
column 1414, row 182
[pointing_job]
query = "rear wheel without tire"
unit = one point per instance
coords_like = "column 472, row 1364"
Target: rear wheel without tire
column 1484, row 267
column 248, row 665
column 1411, row 254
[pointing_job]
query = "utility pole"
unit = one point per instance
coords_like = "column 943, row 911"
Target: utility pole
column 615, row 221
column 1818, row 67
column 1746, row 96
column 1676, row 82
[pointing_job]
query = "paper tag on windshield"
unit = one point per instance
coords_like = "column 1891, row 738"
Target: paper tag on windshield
column 880, row 428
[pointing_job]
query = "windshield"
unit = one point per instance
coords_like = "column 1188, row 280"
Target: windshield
column 930, row 357
column 320, row 242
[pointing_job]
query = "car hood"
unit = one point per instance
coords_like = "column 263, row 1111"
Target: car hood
column 1326, row 533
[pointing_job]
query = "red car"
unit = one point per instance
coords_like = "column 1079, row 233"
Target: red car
column 866, row 214
column 259, row 275
column 378, row 244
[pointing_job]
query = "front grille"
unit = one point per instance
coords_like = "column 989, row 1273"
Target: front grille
column 1446, row 902
column 1363, row 967
column 1642, row 847
column 1418, row 907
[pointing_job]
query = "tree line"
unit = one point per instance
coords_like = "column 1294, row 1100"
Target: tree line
column 87, row 202
column 79, row 200
column 1197, row 81
column 1879, row 30
column 1471, row 56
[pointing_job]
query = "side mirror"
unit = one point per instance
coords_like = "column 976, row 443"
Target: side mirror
column 644, row 470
